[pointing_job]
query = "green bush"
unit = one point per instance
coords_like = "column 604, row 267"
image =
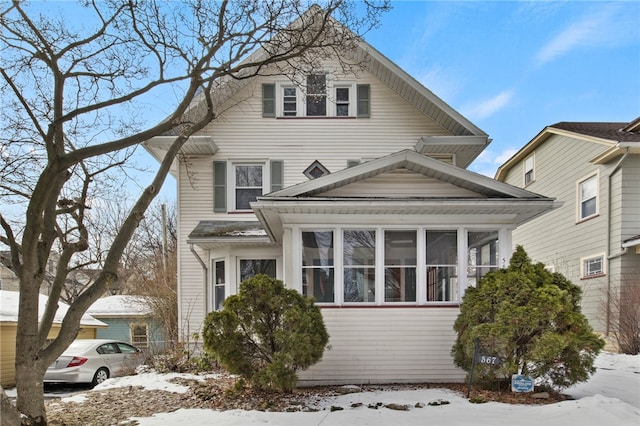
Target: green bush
column 531, row 319
column 266, row 333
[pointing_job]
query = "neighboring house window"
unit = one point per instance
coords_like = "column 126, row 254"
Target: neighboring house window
column 400, row 248
column 318, row 277
column 482, row 253
column 592, row 266
column 588, row 197
column 359, row 247
column 139, row 335
column 442, row 261
column 251, row 267
column 528, row 170
column 219, row 284
column 247, row 181
column 316, row 95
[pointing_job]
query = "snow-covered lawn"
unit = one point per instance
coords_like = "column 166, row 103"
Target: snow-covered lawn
column 610, row 397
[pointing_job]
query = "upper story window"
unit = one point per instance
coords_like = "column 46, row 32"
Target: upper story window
column 588, row 197
column 321, row 97
column 316, row 95
column 529, row 170
column 248, row 184
column 237, row 184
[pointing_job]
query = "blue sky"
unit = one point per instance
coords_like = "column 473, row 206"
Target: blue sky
column 513, row 68
column 510, row 67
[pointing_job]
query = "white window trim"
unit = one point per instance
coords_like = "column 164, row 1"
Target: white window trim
column 231, row 179
column 301, row 104
column 579, row 182
column 583, row 260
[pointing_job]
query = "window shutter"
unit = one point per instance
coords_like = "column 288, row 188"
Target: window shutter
column 277, row 175
column 364, row 101
column 219, row 186
column 351, row 163
column 269, row 100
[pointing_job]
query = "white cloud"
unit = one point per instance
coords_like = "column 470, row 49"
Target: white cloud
column 488, row 161
column 602, row 27
column 490, row 106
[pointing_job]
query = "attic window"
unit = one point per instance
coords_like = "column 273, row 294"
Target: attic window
column 316, row 170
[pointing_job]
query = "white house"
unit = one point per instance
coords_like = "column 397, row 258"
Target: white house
column 355, row 193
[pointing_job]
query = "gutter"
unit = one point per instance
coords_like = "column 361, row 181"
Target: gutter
column 204, row 278
column 624, row 250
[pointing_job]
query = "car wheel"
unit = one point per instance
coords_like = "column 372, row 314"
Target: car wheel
column 101, row 375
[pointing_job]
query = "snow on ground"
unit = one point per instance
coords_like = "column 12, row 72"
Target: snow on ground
column 610, row 397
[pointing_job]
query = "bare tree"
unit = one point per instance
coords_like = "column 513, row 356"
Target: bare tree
column 73, row 94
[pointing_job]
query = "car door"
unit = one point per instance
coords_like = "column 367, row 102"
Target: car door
column 131, row 358
column 111, row 357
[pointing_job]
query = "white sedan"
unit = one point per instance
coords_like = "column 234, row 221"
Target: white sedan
column 94, row 361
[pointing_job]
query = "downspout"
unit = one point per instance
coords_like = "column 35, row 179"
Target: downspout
column 620, row 253
column 204, row 278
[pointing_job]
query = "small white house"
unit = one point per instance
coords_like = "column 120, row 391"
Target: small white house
column 358, row 196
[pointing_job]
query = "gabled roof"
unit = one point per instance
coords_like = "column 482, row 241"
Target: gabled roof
column 615, row 137
column 483, row 196
column 412, row 161
column 451, row 121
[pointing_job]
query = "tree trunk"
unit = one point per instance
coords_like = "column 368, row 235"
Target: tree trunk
column 30, row 390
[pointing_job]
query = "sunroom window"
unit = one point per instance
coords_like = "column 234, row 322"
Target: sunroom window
column 442, row 261
column 482, row 249
column 359, row 261
column 400, row 266
column 318, row 266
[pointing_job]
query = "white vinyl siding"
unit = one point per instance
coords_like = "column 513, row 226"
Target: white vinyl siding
column 394, row 345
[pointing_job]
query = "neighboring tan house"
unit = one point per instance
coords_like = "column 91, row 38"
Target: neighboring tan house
column 9, row 325
column 130, row 319
column 356, row 195
column 593, row 239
